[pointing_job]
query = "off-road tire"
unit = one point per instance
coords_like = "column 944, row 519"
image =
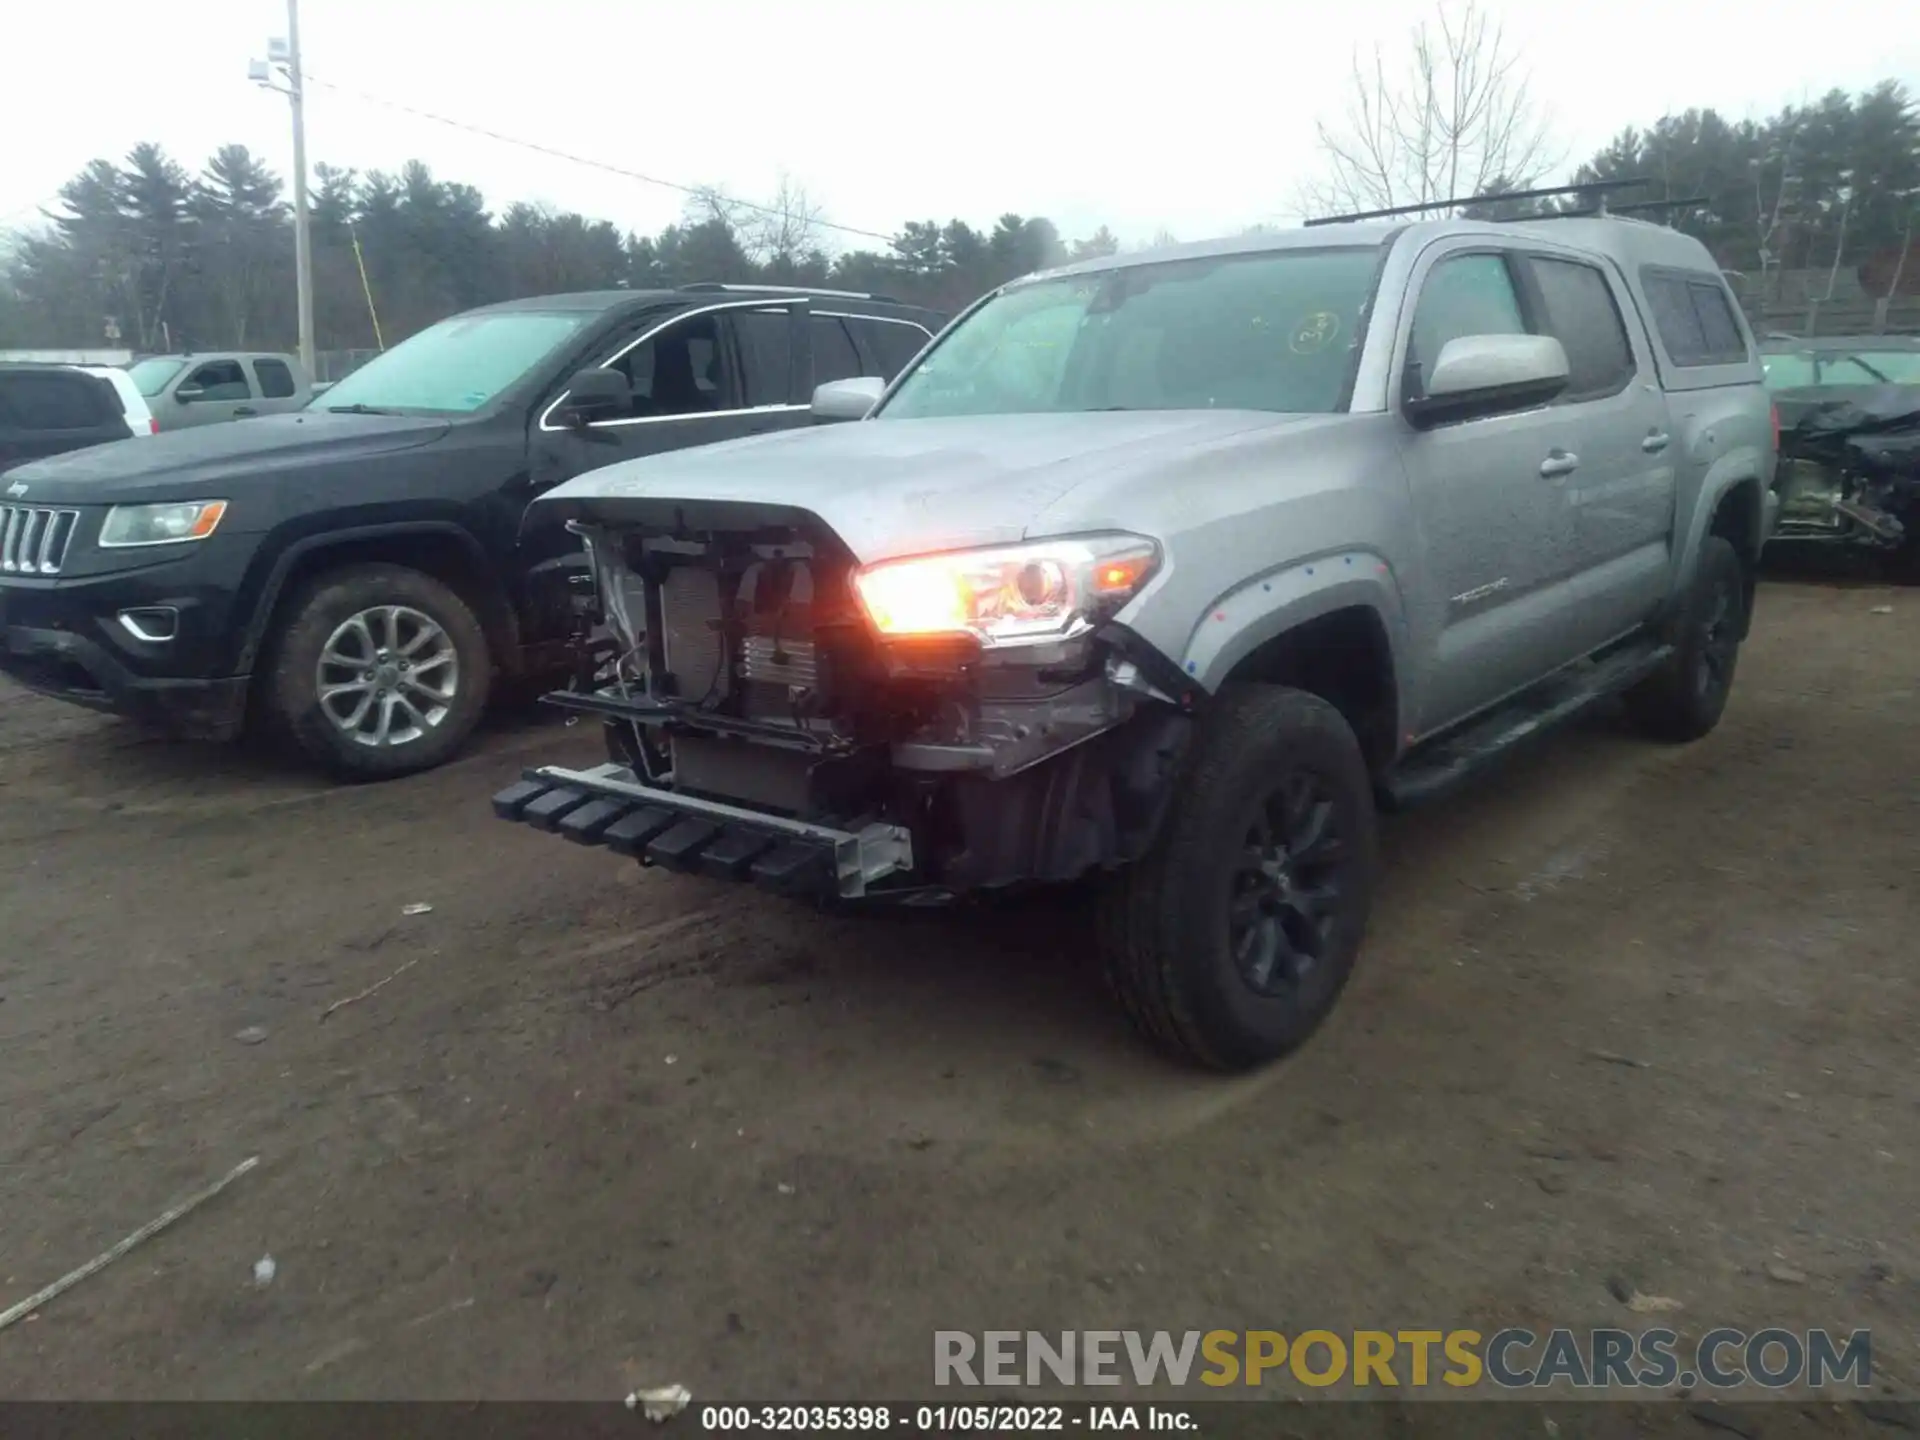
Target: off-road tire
column 1163, row 922
column 1684, row 699
column 292, row 692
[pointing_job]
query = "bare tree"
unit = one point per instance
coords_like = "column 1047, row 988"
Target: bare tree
column 1449, row 116
column 784, row 231
column 1768, row 219
column 710, row 205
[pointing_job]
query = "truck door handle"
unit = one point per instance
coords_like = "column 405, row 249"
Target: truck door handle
column 245, row 410
column 1654, row 443
column 1560, row 462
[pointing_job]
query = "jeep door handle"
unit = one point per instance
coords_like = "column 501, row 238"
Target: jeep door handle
column 1654, row 443
column 243, row 410
column 1560, row 462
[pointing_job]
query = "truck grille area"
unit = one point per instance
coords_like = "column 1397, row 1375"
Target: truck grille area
column 692, row 627
column 34, row 539
column 771, row 660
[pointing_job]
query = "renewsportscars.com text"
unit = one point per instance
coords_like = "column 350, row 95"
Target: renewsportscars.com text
column 1510, row 1359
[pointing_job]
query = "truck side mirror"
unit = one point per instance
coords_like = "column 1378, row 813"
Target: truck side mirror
column 847, row 399
column 1478, row 375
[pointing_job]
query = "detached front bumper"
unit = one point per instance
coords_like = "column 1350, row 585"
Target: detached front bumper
column 610, row 806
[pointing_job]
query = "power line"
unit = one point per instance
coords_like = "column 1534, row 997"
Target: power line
column 696, row 191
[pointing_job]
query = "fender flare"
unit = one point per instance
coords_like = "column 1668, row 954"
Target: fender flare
column 1246, row 617
column 1722, row 479
column 284, row 563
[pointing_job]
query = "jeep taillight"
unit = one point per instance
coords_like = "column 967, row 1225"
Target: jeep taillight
column 153, row 426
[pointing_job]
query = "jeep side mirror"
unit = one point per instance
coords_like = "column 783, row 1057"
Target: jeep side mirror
column 187, row 394
column 597, row 394
column 1478, row 375
column 847, row 399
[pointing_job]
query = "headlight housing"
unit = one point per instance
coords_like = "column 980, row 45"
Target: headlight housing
column 173, row 523
column 1019, row 595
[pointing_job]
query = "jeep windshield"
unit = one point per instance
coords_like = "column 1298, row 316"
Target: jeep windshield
column 457, row 366
column 1275, row 330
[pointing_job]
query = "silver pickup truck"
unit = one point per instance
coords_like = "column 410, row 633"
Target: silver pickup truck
column 1165, row 571
column 206, row 388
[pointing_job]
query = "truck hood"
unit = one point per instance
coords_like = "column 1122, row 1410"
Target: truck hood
column 902, row 487
column 179, row 464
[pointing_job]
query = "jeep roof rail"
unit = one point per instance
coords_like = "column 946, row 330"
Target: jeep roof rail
column 711, row 285
column 1597, row 188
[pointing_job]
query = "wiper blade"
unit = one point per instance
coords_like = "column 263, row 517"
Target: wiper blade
column 357, row 410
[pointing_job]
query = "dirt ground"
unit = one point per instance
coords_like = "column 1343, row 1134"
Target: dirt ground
column 605, row 1127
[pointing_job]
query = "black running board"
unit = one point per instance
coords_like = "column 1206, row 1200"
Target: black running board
column 609, row 806
column 1447, row 762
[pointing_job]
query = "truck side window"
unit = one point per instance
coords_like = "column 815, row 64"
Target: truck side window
column 221, row 380
column 1466, row 295
column 1724, row 343
column 276, row 380
column 1694, row 318
column 1581, row 315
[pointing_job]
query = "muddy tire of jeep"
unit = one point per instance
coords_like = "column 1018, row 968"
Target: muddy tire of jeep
column 1230, row 941
column 381, row 671
column 1685, row 698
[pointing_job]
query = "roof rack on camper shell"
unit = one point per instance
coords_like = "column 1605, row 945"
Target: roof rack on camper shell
column 1598, row 189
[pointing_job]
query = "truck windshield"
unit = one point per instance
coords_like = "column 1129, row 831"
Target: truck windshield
column 151, row 375
column 1276, row 330
column 457, row 366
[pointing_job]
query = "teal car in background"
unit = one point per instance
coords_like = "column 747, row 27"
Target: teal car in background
column 1848, row 408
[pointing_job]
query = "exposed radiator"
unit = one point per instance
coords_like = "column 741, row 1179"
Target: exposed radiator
column 691, row 628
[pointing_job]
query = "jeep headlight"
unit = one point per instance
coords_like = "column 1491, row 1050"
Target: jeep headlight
column 1018, row 595
column 168, row 524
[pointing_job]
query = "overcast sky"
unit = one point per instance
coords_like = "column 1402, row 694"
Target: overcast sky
column 1195, row 116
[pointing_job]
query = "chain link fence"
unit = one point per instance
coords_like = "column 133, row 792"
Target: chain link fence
column 1836, row 317
column 332, row 365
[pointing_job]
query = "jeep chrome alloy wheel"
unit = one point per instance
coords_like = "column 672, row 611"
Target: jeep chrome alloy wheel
column 387, row 676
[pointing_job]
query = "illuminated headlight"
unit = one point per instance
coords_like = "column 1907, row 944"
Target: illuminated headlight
column 1020, row 595
column 172, row 524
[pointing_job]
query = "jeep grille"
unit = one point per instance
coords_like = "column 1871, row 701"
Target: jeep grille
column 33, row 541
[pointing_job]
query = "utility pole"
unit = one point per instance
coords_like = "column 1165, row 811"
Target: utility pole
column 302, row 233
column 284, row 55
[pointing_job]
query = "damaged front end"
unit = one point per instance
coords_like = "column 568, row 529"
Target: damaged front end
column 1850, row 471
column 910, row 730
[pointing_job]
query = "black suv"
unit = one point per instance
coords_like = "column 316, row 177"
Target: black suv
column 355, row 573
column 51, row 409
